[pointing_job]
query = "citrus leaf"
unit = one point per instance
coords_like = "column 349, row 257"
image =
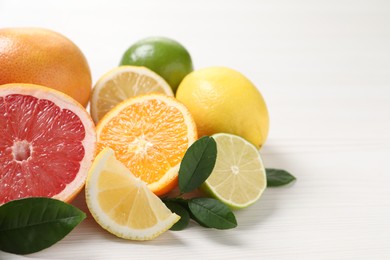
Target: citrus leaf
column 182, row 212
column 197, row 164
column 278, row 177
column 32, row 224
column 184, row 203
column 177, row 200
column 212, row 213
column 194, row 218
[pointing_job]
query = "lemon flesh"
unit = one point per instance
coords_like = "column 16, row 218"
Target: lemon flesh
column 238, row 178
column 122, row 83
column 223, row 100
column 122, row 204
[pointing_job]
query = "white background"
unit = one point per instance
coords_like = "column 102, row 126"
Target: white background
column 323, row 68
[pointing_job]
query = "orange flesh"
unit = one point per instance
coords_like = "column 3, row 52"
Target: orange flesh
column 40, row 147
column 149, row 137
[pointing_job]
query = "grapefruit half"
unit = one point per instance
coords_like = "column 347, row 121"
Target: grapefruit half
column 47, row 143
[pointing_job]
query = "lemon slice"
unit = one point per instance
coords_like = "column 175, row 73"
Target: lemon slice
column 124, row 82
column 238, row 178
column 122, row 204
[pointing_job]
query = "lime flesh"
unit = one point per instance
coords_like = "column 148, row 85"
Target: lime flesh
column 238, row 178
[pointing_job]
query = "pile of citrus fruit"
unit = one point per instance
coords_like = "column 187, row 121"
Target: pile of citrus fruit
column 147, row 111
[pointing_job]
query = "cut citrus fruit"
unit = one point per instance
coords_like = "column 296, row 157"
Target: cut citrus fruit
column 122, row 83
column 47, row 143
column 150, row 135
column 238, row 178
column 123, row 204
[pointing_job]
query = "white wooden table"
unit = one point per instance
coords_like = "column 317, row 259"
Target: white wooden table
column 323, row 68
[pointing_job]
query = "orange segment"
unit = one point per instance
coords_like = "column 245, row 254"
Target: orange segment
column 150, row 135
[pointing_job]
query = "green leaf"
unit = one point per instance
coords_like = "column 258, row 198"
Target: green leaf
column 212, row 213
column 32, row 224
column 182, row 202
column 193, row 217
column 197, row 164
column 278, row 177
column 182, row 212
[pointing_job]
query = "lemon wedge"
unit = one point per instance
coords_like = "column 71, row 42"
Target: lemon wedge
column 123, row 204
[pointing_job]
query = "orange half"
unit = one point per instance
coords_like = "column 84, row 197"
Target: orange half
column 150, row 135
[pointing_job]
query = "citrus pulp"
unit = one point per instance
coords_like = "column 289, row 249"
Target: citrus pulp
column 150, row 135
column 121, row 83
column 123, row 204
column 238, row 178
column 47, row 143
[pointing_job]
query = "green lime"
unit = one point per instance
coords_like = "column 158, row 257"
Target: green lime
column 238, row 178
column 166, row 57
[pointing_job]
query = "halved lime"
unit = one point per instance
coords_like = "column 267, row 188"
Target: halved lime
column 238, row 178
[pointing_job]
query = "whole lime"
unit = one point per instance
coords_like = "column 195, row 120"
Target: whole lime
column 223, row 100
column 165, row 56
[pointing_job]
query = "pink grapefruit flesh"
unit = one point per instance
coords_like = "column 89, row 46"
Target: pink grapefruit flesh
column 47, row 143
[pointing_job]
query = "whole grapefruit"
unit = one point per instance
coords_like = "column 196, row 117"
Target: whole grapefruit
column 44, row 57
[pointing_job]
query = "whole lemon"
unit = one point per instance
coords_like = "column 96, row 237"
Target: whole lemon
column 223, row 100
column 163, row 55
column 44, row 57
